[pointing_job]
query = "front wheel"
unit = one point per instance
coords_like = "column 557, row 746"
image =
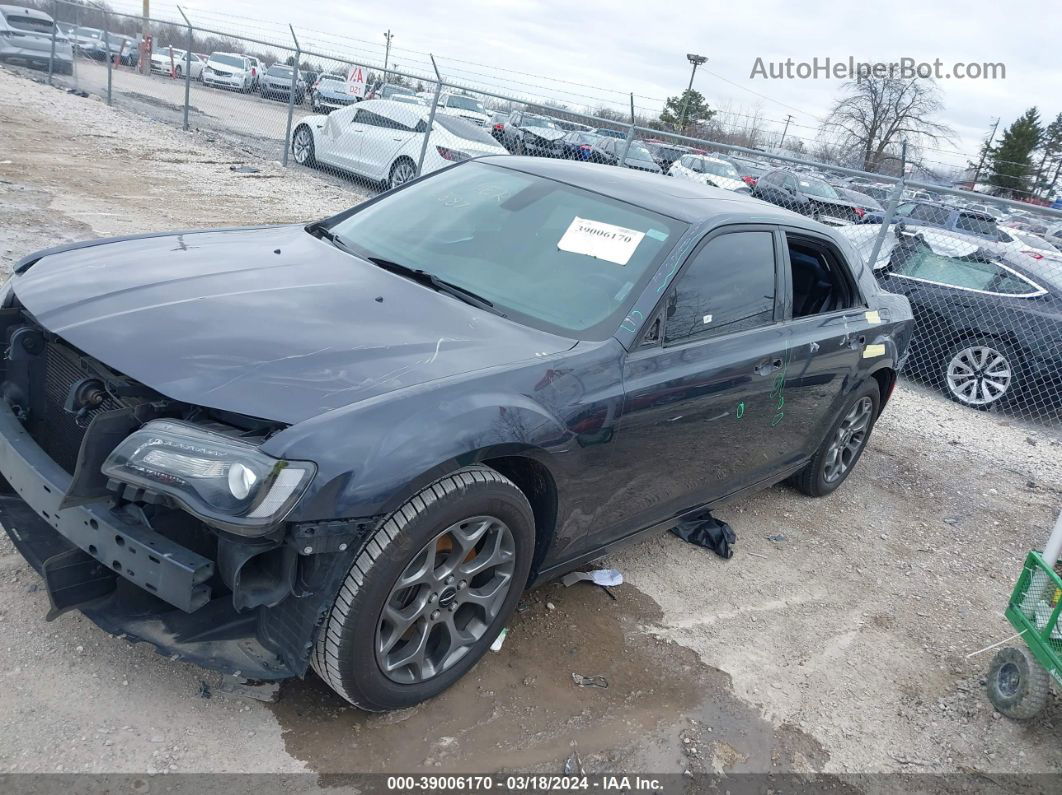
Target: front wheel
column 302, row 147
column 1017, row 684
column 429, row 592
column 843, row 445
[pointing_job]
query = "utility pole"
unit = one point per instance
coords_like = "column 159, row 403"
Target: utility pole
column 145, row 34
column 984, row 154
column 788, row 119
column 696, row 60
column 387, row 52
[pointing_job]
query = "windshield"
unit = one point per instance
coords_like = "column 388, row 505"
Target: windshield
column 465, row 103
column 816, row 187
column 512, row 238
column 230, row 60
column 720, row 169
column 332, row 79
column 279, row 71
column 638, row 152
column 538, row 121
column 26, row 22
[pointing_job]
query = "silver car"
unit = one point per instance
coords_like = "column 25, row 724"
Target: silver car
column 276, row 84
column 26, row 37
column 329, row 93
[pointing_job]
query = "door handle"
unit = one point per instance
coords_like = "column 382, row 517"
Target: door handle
column 768, row 366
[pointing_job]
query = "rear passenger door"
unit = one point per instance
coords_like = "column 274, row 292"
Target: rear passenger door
column 829, row 329
column 699, row 418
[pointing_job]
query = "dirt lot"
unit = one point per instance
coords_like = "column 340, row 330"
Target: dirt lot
column 834, row 640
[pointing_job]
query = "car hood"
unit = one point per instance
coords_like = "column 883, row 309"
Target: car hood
column 726, row 183
column 545, row 133
column 269, row 322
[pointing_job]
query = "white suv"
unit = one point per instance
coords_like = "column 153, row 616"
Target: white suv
column 468, row 108
column 228, row 70
column 708, row 171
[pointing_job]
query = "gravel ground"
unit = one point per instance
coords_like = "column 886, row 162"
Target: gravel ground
column 835, row 640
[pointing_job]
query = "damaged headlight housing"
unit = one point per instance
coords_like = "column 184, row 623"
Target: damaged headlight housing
column 227, row 482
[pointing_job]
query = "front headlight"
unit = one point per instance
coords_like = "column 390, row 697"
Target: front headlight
column 225, row 481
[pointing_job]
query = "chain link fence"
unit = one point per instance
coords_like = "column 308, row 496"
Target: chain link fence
column 983, row 274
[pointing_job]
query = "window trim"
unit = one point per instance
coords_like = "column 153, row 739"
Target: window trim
column 860, row 303
column 781, row 287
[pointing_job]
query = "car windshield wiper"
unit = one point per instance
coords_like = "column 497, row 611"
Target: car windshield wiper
column 431, row 280
column 318, row 229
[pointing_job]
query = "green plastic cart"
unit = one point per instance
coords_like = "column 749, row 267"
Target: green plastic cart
column 1020, row 676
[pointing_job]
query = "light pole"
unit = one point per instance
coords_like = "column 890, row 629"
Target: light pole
column 387, row 52
column 696, row 60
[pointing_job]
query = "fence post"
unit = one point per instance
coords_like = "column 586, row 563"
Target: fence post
column 291, row 94
column 55, row 27
column 107, row 51
column 431, row 116
column 187, row 67
column 77, row 27
column 890, row 212
column 626, row 146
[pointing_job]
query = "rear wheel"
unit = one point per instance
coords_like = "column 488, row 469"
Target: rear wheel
column 843, row 446
column 402, row 172
column 980, row 372
column 1017, row 684
column 429, row 592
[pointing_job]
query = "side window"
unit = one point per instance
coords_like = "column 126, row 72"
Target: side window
column 684, row 161
column 923, row 263
column 366, row 117
column 820, row 280
column 1011, row 284
column 904, row 210
column 728, row 286
column 790, row 182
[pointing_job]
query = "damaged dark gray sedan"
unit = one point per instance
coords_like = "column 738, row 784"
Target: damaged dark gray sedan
column 352, row 445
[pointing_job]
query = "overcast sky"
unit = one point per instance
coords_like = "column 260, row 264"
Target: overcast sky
column 615, row 47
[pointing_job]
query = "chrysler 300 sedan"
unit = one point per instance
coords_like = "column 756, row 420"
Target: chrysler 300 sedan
column 352, row 445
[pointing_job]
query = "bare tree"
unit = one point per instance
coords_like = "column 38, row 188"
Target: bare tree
column 876, row 114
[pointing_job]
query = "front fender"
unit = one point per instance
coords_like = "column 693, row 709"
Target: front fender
column 372, row 458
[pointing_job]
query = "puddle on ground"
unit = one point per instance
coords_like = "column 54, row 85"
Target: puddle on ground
column 519, row 710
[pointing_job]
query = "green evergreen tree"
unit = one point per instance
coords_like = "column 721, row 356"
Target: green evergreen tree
column 1011, row 167
column 686, row 109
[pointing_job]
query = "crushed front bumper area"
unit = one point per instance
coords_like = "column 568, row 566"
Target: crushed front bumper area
column 242, row 613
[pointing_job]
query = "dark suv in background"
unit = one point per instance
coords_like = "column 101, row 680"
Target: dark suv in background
column 808, row 196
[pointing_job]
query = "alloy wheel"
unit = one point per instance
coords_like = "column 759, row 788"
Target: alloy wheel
column 402, row 174
column 979, row 375
column 445, row 600
column 848, row 441
column 303, row 144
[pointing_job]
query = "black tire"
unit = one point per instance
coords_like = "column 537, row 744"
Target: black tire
column 309, row 159
column 345, row 653
column 984, row 396
column 816, row 479
column 1017, row 685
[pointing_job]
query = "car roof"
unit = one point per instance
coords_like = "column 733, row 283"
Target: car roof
column 683, row 200
column 403, row 112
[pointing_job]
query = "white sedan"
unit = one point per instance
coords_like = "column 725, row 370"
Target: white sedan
column 381, row 139
column 708, row 171
column 171, row 61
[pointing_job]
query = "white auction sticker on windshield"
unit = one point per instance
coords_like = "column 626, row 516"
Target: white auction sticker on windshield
column 598, row 239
